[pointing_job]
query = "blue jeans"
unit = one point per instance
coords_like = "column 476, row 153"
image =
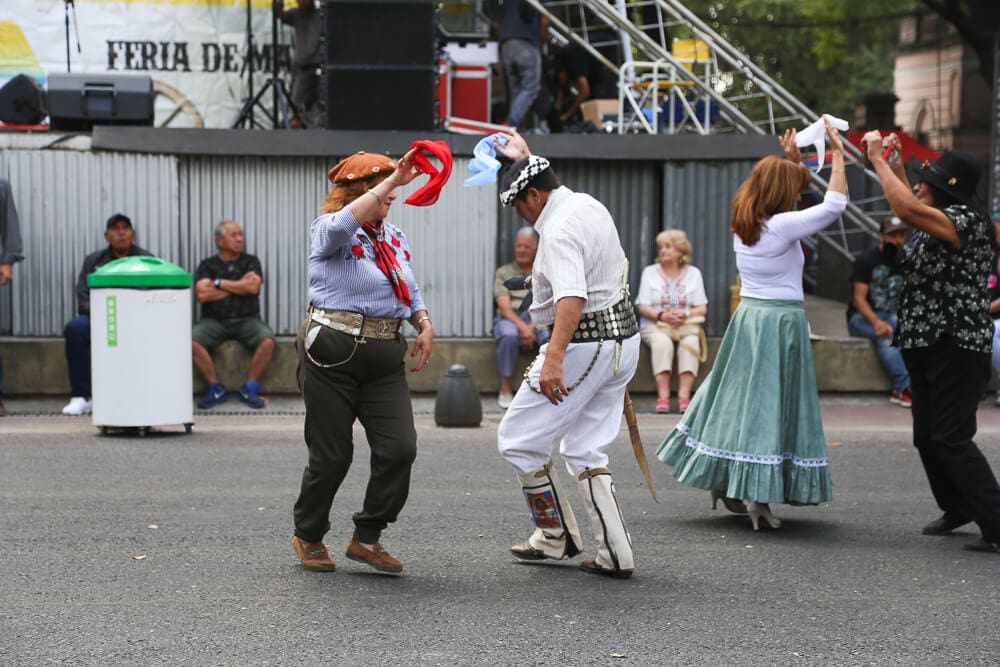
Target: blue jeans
column 509, row 343
column 892, row 360
column 522, row 62
column 77, row 335
column 996, row 346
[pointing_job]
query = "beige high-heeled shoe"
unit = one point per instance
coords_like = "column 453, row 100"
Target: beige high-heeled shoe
column 760, row 514
column 733, row 505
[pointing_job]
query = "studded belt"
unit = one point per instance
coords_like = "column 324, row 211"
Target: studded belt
column 356, row 324
column 615, row 323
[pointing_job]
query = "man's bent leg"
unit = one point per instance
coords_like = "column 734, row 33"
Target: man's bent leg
column 556, row 533
column 527, row 435
column 889, row 355
column 261, row 359
column 203, row 362
column 585, row 450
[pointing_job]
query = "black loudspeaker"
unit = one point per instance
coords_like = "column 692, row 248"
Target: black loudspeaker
column 22, row 101
column 381, row 97
column 380, row 32
column 80, row 101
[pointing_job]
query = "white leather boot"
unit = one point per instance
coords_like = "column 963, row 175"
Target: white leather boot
column 614, row 545
column 556, row 533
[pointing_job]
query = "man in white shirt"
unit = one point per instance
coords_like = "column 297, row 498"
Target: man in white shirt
column 576, row 385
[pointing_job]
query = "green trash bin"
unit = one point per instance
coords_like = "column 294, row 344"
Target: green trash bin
column 140, row 349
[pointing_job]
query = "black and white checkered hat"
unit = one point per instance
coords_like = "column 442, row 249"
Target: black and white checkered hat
column 518, row 175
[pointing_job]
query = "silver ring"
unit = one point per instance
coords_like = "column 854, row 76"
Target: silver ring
column 556, row 390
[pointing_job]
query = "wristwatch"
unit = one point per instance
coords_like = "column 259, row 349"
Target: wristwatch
column 218, row 283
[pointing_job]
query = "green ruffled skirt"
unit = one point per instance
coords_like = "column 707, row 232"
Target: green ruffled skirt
column 753, row 429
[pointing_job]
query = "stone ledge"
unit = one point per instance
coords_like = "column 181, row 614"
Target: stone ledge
column 37, row 366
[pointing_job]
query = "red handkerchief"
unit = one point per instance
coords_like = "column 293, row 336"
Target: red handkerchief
column 429, row 191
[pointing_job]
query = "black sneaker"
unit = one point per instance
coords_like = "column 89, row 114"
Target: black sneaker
column 944, row 525
column 982, row 545
column 212, row 399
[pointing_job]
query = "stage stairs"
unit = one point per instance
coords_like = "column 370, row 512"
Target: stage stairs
column 677, row 75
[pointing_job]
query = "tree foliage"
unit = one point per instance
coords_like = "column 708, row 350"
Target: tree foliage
column 828, row 53
column 977, row 21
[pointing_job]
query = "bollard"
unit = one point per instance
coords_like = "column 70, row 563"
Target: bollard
column 457, row 402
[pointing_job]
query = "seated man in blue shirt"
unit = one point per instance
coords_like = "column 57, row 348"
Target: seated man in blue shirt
column 227, row 286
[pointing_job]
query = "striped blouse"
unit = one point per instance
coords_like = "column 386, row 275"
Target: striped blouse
column 342, row 270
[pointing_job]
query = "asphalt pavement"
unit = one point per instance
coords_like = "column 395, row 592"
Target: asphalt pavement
column 175, row 548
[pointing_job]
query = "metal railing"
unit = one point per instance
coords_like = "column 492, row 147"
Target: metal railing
column 732, row 94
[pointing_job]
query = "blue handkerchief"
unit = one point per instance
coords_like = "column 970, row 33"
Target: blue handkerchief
column 484, row 164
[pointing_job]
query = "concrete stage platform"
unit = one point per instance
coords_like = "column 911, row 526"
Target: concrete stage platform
column 37, row 366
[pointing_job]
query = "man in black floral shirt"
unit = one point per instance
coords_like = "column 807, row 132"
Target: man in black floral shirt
column 946, row 333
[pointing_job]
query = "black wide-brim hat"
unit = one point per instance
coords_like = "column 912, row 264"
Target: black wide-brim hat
column 955, row 174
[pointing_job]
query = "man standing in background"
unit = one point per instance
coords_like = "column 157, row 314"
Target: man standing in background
column 10, row 250
column 522, row 32
column 308, row 58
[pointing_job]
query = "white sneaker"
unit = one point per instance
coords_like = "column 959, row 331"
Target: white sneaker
column 503, row 400
column 77, row 405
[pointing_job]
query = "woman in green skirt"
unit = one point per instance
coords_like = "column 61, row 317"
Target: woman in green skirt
column 753, row 431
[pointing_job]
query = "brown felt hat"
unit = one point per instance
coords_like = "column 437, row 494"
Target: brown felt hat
column 360, row 166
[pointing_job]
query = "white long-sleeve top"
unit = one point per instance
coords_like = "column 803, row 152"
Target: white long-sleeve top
column 772, row 268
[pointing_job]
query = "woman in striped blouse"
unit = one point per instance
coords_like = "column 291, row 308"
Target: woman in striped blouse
column 351, row 357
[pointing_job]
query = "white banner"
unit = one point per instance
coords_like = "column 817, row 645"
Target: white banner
column 196, row 51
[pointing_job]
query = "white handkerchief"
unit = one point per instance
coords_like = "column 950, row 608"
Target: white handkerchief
column 815, row 135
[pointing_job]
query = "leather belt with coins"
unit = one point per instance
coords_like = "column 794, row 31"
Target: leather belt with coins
column 615, row 323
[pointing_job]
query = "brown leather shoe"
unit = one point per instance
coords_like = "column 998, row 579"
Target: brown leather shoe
column 313, row 555
column 376, row 557
column 525, row 551
column 592, row 567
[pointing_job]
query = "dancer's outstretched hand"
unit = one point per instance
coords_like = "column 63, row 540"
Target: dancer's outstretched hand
column 788, row 145
column 515, row 149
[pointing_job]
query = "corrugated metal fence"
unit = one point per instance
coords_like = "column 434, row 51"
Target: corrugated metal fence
column 64, row 197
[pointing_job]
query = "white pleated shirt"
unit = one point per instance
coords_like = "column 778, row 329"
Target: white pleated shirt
column 579, row 254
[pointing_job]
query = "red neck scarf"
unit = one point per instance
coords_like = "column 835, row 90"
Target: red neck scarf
column 385, row 260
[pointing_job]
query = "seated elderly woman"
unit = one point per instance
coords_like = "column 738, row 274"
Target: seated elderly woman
column 672, row 305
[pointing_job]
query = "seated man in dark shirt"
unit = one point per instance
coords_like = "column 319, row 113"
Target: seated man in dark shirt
column 227, row 286
column 120, row 235
column 876, row 282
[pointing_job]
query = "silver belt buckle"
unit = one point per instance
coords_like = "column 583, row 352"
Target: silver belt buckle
column 357, row 320
column 383, row 329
